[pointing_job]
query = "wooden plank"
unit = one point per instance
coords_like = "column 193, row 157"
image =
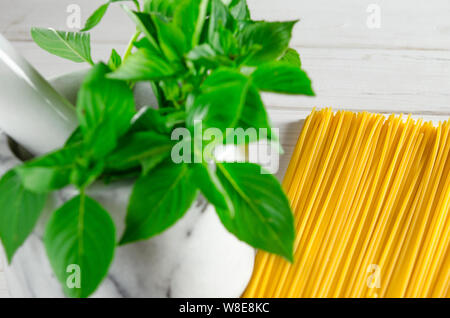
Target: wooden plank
column 3, row 288
column 25, row 14
column 356, row 79
column 405, row 24
column 375, row 80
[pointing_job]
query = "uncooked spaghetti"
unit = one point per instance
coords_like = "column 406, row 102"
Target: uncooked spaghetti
column 371, row 198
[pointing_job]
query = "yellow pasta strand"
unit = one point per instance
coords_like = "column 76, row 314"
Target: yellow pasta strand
column 371, row 202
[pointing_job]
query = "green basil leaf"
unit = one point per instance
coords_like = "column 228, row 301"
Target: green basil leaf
column 262, row 216
column 144, row 64
column 209, row 184
column 86, row 172
column 146, row 148
column 19, row 212
column 96, row 17
column 291, row 57
column 159, row 120
column 224, row 41
column 114, row 60
column 145, row 24
column 110, row 176
column 159, row 95
column 220, row 16
column 282, row 78
column 150, row 119
column 190, row 16
column 69, row 45
column 211, row 109
column 172, row 117
column 162, row 7
column 158, row 200
column 272, row 38
column 81, row 234
column 171, row 89
column 254, row 116
column 75, row 137
column 203, row 52
column 105, row 108
column 171, row 39
column 49, row 172
column 239, row 10
column 205, row 55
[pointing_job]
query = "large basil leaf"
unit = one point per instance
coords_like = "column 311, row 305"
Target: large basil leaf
column 145, row 24
column 239, row 10
column 50, row 172
column 161, row 120
column 282, row 78
column 150, row 119
column 220, row 16
column 225, row 42
column 75, row 137
column 205, row 55
column 206, row 180
column 291, row 57
column 69, row 45
column 98, row 15
column 272, row 39
column 80, row 235
column 159, row 199
column 145, row 148
column 262, row 216
column 95, row 17
column 163, row 7
column 144, row 64
column 105, row 108
column 190, row 16
column 171, row 39
column 19, row 212
column 254, row 116
column 221, row 100
column 220, row 19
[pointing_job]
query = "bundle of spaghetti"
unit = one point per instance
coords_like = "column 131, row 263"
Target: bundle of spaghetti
column 371, row 199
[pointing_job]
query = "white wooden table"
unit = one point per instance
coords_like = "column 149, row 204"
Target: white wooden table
column 402, row 66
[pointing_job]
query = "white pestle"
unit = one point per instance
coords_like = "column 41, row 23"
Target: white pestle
column 31, row 111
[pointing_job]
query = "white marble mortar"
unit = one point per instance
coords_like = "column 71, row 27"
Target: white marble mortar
column 197, row 257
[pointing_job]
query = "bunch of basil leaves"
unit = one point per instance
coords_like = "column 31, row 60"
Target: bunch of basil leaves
column 205, row 60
